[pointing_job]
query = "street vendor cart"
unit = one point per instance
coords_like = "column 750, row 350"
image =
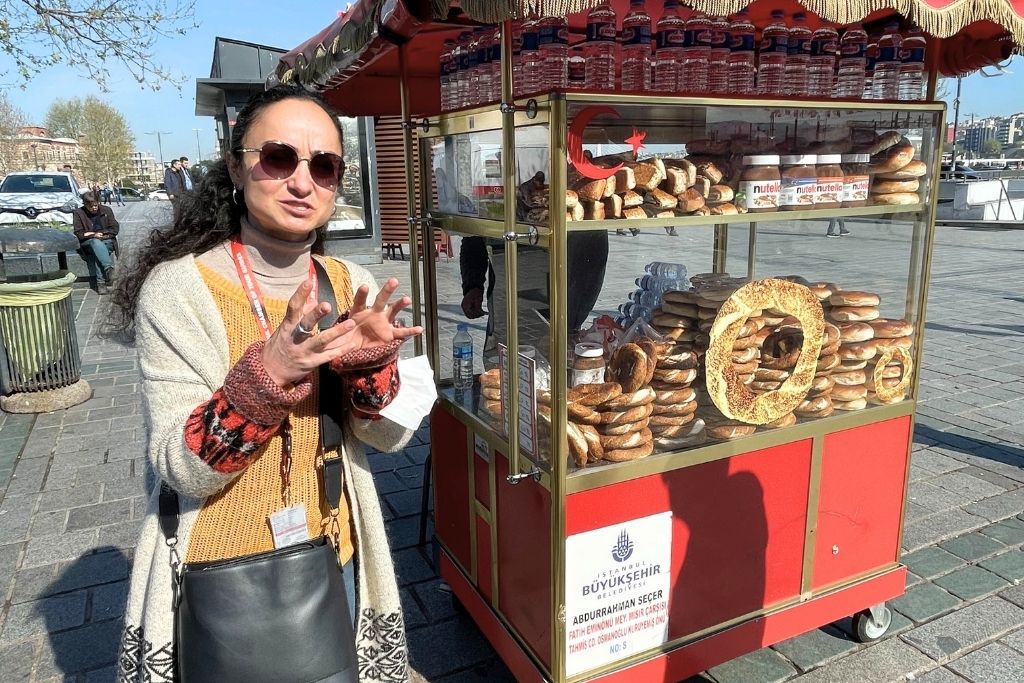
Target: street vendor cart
column 703, row 447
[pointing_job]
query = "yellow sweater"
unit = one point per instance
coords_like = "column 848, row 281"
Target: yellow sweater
column 235, row 521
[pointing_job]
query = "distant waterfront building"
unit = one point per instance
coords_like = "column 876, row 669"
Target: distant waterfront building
column 33, row 149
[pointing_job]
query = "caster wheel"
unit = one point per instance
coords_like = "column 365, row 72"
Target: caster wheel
column 866, row 629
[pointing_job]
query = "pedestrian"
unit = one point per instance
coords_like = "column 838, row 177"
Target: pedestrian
column 106, row 193
column 837, row 228
column 174, row 184
column 118, row 196
column 95, row 227
column 186, row 175
column 234, row 371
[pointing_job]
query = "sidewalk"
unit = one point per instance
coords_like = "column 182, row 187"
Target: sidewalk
column 73, row 486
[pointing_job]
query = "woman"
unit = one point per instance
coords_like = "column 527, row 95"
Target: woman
column 218, row 392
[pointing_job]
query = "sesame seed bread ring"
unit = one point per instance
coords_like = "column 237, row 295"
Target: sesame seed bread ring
column 491, row 378
column 626, row 454
column 892, row 393
column 624, row 428
column 892, row 371
column 822, row 290
column 622, row 416
column 640, row 397
column 658, row 421
column 855, row 404
column 666, row 443
column 491, row 393
column 678, row 358
column 738, row 401
column 682, row 310
column 762, row 387
column 829, row 350
column 882, row 142
column 673, row 376
column 594, row 394
column 915, row 169
column 850, row 365
column 856, row 332
column 652, row 350
column 882, row 186
column 729, row 429
column 669, row 320
column 628, row 367
column 905, row 343
column 814, row 404
column 822, row 383
column 582, row 414
column 676, row 431
column 892, row 159
column 888, row 328
column 887, row 382
column 831, row 336
column 577, row 444
column 851, row 378
column 595, row 451
column 674, row 408
column 768, row 375
column 874, row 399
column 849, row 393
column 630, row 440
column 850, row 297
column 678, row 334
column 754, row 341
column 745, row 355
column 787, row 420
column 842, row 314
column 820, row 414
column 675, row 396
column 865, row 350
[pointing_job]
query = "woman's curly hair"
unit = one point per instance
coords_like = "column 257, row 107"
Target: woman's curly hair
column 203, row 218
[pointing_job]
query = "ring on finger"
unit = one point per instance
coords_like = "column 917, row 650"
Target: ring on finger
column 301, row 332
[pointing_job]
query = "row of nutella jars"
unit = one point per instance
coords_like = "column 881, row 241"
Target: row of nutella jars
column 793, row 182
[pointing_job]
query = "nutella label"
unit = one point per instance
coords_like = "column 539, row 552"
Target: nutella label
column 760, row 194
column 829, row 190
column 855, row 188
column 798, row 192
column 591, row 376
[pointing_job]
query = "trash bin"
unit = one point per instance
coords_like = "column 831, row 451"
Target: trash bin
column 40, row 365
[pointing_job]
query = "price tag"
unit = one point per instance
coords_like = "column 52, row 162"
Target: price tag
column 289, row 525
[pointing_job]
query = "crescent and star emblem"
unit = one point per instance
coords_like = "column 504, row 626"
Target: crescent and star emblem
column 574, row 139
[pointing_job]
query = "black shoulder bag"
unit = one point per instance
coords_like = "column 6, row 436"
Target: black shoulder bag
column 280, row 615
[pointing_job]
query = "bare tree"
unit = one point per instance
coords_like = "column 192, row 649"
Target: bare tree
column 102, row 132
column 89, row 35
column 11, row 119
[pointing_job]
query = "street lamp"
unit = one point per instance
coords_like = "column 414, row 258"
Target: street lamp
column 199, row 151
column 159, row 143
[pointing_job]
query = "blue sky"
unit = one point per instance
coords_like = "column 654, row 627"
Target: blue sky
column 281, row 24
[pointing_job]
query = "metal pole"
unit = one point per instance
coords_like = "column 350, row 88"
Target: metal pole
column 410, row 199
column 160, row 143
column 199, row 150
column 956, row 119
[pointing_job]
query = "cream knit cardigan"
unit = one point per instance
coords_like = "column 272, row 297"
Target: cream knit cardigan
column 183, row 356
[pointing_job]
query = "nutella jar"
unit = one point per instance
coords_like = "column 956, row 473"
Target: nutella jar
column 856, row 179
column 799, row 182
column 760, row 183
column 588, row 365
column 830, row 182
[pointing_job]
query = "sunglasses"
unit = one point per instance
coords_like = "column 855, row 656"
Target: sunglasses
column 279, row 160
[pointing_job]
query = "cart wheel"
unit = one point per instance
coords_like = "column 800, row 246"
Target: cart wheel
column 867, row 629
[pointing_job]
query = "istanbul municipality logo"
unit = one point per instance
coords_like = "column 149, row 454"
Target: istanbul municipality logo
column 623, row 548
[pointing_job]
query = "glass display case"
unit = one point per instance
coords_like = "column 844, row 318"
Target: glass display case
column 752, row 273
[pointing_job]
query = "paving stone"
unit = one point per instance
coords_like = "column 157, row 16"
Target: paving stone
column 931, row 562
column 971, row 488
column 993, row 663
column 66, row 546
column 886, row 660
column 1015, row 640
column 1005, row 532
column 44, row 616
column 404, row 503
column 15, row 525
column 28, row 476
column 436, row 602
column 108, row 601
column 940, row 675
column 411, row 611
column 104, row 473
column 763, row 665
column 124, row 488
column 1014, row 594
column 928, row 495
column 923, row 602
column 965, row 629
column 124, row 535
column 105, row 675
column 69, row 498
column 1009, row 565
column 82, row 649
column 815, row 648
column 999, row 507
column 496, row 672
column 431, row 652
column 972, row 546
column 940, row 526
column 971, row 582
column 411, row 567
column 935, row 462
column 992, row 477
column 17, row 660
column 101, row 514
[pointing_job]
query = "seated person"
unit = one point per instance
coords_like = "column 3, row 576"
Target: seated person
column 95, row 227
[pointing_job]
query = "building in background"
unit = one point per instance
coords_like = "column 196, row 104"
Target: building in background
column 145, row 171
column 32, row 149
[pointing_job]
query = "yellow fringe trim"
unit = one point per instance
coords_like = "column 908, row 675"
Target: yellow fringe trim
column 941, row 22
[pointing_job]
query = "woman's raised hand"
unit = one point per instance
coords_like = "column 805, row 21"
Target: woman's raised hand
column 291, row 353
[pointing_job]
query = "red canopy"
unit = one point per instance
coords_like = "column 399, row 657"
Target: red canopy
column 355, row 59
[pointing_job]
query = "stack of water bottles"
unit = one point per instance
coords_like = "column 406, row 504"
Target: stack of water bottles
column 686, row 53
column 659, row 277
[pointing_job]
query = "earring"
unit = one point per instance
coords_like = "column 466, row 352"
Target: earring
column 234, row 197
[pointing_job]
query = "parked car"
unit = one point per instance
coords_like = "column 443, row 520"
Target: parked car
column 130, row 194
column 37, row 196
column 961, row 171
column 158, row 196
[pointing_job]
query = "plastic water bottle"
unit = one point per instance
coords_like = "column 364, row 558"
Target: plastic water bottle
column 494, row 62
column 852, row 62
column 741, row 55
column 870, row 59
column 517, row 58
column 663, row 269
column 718, row 57
column 601, row 48
column 886, row 82
column 822, row 69
column 447, row 73
column 553, row 43
column 636, row 48
column 912, row 67
column 463, row 73
column 696, row 54
column 481, row 77
column 798, row 56
column 771, row 67
column 669, row 38
column 462, row 358
column 533, row 63
column 577, row 68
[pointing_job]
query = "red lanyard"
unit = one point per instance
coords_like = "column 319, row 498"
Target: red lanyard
column 259, row 311
column 252, row 288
